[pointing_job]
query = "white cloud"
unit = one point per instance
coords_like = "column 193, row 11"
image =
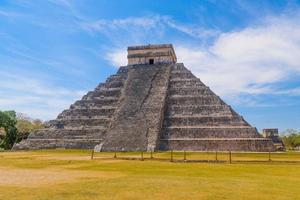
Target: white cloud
column 35, row 97
column 248, row 61
column 117, row 58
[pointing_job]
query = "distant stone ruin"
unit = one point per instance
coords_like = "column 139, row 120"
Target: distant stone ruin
column 153, row 103
column 272, row 133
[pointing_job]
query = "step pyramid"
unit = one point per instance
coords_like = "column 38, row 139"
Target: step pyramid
column 153, row 103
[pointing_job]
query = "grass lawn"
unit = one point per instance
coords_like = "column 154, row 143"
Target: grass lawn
column 72, row 175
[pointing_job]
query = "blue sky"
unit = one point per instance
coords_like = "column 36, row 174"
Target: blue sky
column 54, row 51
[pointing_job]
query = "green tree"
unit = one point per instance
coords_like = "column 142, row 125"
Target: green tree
column 291, row 139
column 26, row 125
column 8, row 121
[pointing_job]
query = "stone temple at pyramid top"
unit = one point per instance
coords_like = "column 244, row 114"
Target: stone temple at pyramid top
column 151, row 54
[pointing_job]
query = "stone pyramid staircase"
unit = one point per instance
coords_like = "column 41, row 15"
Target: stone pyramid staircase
column 138, row 121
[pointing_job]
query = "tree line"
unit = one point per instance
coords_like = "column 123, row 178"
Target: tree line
column 16, row 126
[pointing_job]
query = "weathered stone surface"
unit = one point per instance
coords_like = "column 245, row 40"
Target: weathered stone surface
column 138, row 120
column 218, row 144
column 159, row 54
column 159, row 106
column 273, row 134
column 197, row 119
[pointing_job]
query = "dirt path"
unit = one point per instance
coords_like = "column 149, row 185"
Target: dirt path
column 46, row 177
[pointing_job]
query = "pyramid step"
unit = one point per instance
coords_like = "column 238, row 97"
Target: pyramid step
column 53, row 133
column 186, row 100
column 199, row 110
column 207, row 120
column 115, row 78
column 219, row 144
column 178, row 71
column 111, row 84
column 96, row 103
column 175, row 83
column 179, row 85
column 67, row 134
column 185, row 80
column 57, row 143
column 209, row 132
column 190, row 91
column 179, row 66
column 103, row 89
column 123, row 70
column 182, row 75
column 81, row 122
column 103, row 93
column 84, row 127
column 92, row 112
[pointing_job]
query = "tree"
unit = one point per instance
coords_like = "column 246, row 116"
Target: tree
column 291, row 139
column 8, row 121
column 26, row 125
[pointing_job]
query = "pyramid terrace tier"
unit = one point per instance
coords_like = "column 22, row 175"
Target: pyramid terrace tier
column 57, row 143
column 184, row 83
column 182, row 75
column 96, row 103
column 108, row 92
column 210, row 110
column 117, row 77
column 112, row 84
column 179, row 66
column 201, row 90
column 210, row 132
column 87, row 112
column 205, row 120
column 194, row 100
column 90, row 133
column 80, row 121
column 218, row 144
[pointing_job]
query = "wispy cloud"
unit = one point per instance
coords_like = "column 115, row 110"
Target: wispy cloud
column 117, row 58
column 192, row 30
column 37, row 97
column 127, row 23
column 10, row 14
column 65, row 3
column 249, row 61
column 145, row 28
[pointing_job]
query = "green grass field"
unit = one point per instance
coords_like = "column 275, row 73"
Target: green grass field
column 71, row 174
